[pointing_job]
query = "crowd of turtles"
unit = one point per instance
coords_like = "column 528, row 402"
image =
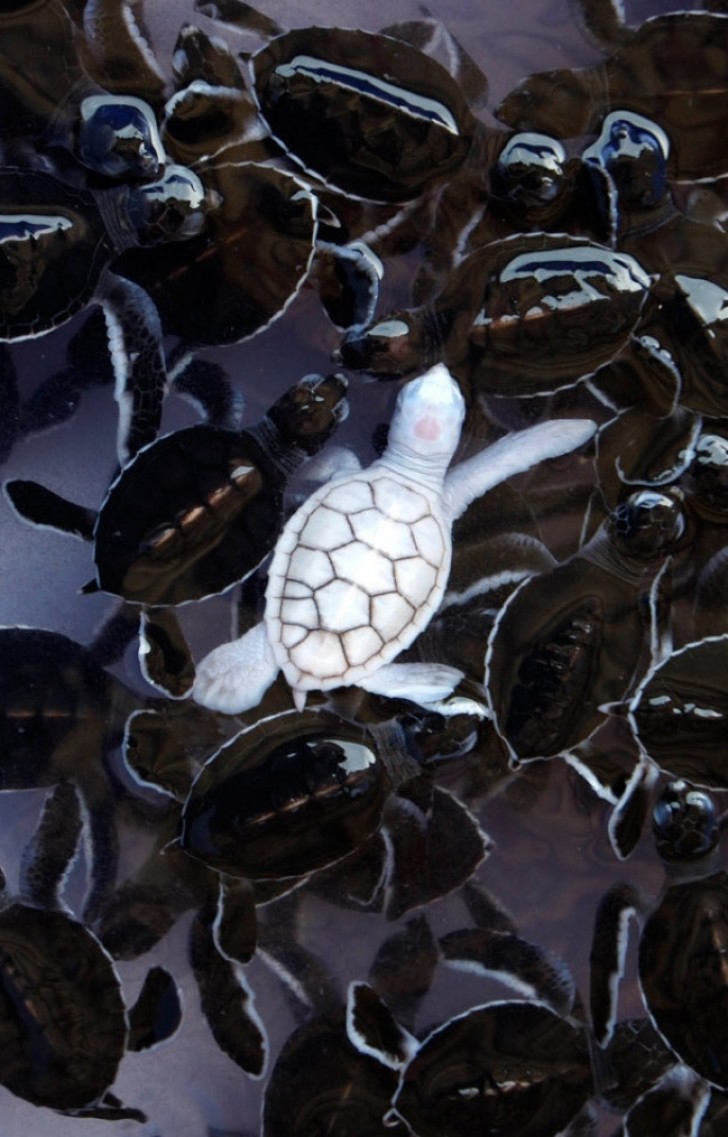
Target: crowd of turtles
column 402, row 687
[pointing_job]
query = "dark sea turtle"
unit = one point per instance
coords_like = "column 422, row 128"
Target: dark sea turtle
column 194, row 513
column 57, row 244
column 680, row 951
column 64, row 1026
column 671, row 68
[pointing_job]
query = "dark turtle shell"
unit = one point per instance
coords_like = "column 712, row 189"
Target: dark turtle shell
column 63, row 1026
column 53, row 248
column 682, row 973
column 368, row 113
column 199, row 509
column 679, row 713
column 242, row 271
column 54, row 699
column 522, row 316
column 672, row 68
column 286, row 797
column 512, row 1068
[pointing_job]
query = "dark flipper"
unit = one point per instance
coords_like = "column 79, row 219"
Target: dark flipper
column 157, row 1013
column 46, row 858
column 135, row 341
column 163, row 653
column 226, row 999
column 42, row 506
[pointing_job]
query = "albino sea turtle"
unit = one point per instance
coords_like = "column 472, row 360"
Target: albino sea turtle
column 361, row 567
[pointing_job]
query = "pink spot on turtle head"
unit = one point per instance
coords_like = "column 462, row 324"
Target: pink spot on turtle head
column 428, row 427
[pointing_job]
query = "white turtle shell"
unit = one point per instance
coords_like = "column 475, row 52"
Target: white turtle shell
column 357, row 573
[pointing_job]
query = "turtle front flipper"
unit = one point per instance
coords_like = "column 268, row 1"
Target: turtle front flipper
column 41, row 506
column 511, row 455
column 163, row 653
column 607, row 957
column 235, row 676
column 427, row 684
column 135, row 342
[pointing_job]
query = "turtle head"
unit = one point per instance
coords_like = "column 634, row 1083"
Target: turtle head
column 308, row 413
column 391, row 347
column 428, row 418
column 117, row 136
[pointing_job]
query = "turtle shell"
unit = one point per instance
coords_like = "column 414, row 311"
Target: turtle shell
column 53, row 699
column 358, row 572
column 512, row 1068
column 63, row 1025
column 53, row 248
column 243, row 270
column 682, row 973
column 285, row 797
column 197, row 510
column 526, row 315
column 368, row 113
column 679, row 713
column 194, row 513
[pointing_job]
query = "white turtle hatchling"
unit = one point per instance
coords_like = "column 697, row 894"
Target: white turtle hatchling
column 361, row 567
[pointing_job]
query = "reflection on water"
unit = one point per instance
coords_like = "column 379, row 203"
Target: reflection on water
column 446, row 856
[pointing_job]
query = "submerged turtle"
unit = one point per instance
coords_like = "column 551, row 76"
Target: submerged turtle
column 361, row 568
column 194, row 513
column 63, row 1021
column 672, row 68
column 56, row 245
column 523, row 316
column 681, row 948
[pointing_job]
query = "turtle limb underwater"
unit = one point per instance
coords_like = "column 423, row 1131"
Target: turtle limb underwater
column 680, row 953
column 57, row 246
column 63, row 1021
column 193, row 514
column 361, row 568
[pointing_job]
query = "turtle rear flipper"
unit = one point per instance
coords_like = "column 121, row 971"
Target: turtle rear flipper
column 157, row 1013
column 41, row 506
column 235, row 676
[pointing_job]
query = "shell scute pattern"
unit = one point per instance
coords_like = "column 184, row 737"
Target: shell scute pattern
column 368, row 557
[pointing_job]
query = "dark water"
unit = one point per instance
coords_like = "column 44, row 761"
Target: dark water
column 551, row 858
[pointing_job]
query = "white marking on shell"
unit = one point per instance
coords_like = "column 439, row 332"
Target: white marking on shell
column 301, row 612
column 390, row 614
column 313, row 568
column 415, row 580
column 320, row 655
column 380, row 532
column 326, row 529
column 361, row 644
column 350, row 495
column 342, row 606
column 428, row 538
column 400, row 502
column 364, row 566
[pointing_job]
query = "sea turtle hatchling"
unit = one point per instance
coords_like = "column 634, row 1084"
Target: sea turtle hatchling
column 361, row 567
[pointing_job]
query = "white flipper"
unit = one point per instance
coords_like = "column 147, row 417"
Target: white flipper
column 423, row 683
column 511, row 455
column 234, row 677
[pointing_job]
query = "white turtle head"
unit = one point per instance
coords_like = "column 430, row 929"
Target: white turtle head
column 427, row 419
